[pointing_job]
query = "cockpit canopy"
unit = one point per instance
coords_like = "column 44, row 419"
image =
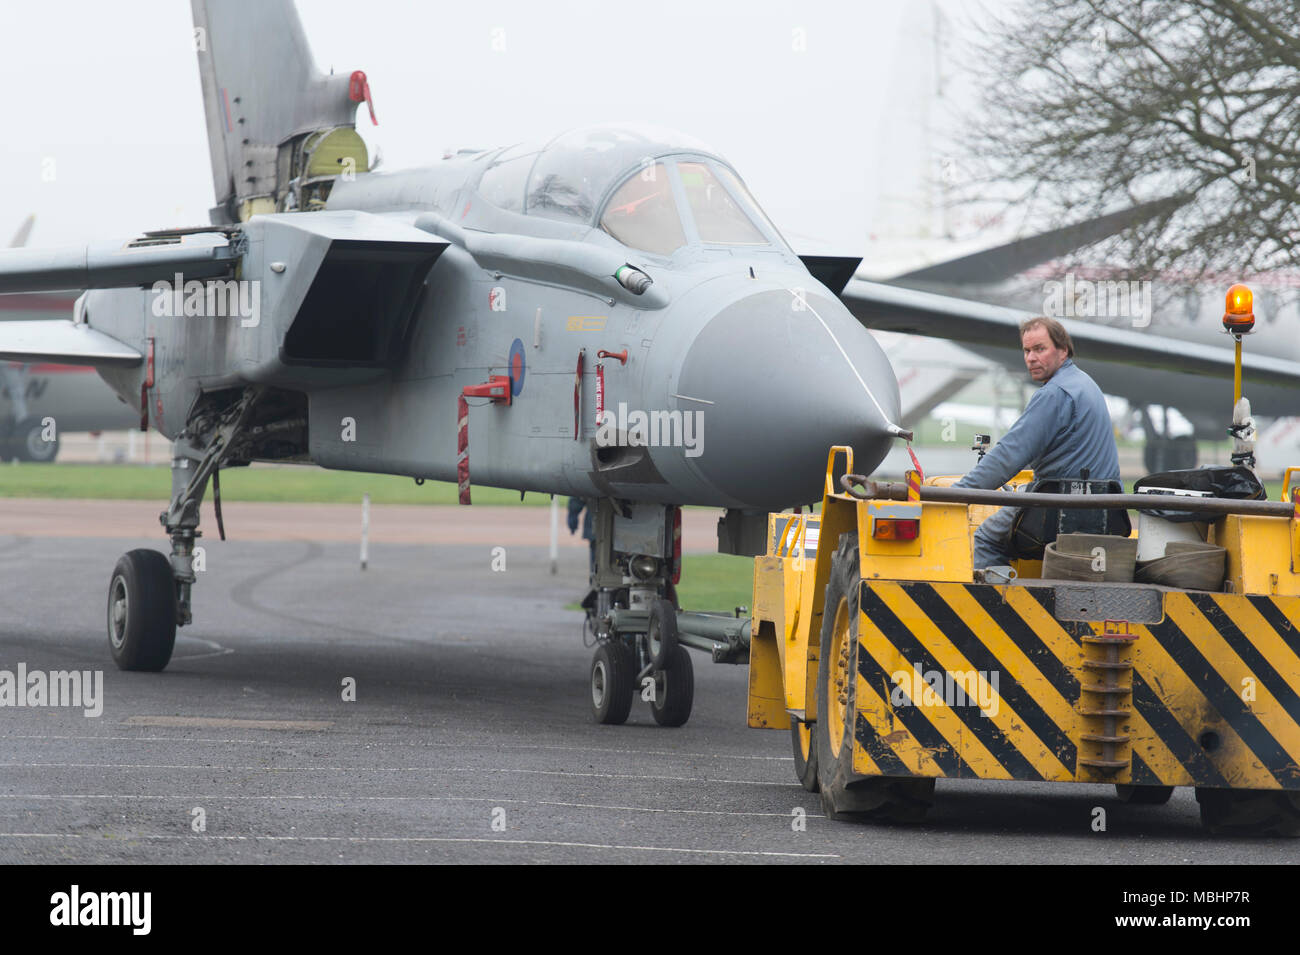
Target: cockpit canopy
column 655, row 190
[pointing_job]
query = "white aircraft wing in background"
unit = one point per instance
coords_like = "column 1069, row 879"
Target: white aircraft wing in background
column 1118, row 359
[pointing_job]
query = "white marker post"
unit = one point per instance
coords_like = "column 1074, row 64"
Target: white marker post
column 365, row 529
column 555, row 534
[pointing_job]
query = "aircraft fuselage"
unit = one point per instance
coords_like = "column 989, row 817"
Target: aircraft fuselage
column 741, row 369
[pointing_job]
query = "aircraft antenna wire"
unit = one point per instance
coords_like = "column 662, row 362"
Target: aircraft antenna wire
column 892, row 428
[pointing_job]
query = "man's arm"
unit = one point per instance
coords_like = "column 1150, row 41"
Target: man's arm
column 1047, row 411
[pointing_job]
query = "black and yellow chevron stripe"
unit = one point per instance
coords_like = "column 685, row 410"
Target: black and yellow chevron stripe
column 1215, row 688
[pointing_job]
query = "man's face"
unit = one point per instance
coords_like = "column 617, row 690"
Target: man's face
column 1042, row 358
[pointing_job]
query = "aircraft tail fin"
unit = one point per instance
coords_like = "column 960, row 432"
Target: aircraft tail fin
column 279, row 130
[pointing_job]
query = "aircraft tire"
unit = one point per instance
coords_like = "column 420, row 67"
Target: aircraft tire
column 6, row 431
column 1143, row 795
column 661, row 633
column 674, row 689
column 846, row 796
column 611, row 682
column 804, row 742
column 1250, row 812
column 26, row 444
column 1153, row 456
column 142, row 611
column 1169, row 454
column 1182, row 453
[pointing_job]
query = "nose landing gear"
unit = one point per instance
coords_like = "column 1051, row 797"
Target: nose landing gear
column 651, row 664
column 633, row 658
column 641, row 634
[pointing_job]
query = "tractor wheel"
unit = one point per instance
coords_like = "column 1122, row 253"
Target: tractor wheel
column 1250, row 812
column 1143, row 795
column 844, row 796
column 804, row 742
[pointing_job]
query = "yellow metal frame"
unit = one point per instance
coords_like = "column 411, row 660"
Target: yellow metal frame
column 1286, row 483
column 789, row 592
column 1204, row 697
column 789, row 588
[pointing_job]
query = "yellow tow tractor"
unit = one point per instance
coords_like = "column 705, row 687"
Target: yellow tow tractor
column 892, row 664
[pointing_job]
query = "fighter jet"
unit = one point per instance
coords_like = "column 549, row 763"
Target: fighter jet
column 607, row 313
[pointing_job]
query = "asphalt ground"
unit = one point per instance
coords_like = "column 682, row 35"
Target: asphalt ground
column 273, row 521
column 469, row 740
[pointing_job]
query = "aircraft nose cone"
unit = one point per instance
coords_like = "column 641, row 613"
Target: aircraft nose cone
column 786, row 378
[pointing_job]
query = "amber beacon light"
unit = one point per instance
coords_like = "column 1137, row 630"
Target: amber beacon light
column 1238, row 319
column 1238, row 313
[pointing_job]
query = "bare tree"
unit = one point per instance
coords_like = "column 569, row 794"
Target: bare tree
column 1090, row 105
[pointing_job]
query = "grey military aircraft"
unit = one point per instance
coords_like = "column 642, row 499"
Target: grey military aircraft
column 606, row 314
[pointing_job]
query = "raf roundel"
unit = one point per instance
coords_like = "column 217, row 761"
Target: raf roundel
column 516, row 367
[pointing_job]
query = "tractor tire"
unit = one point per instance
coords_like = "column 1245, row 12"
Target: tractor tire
column 844, row 795
column 1250, row 812
column 804, row 742
column 1143, row 795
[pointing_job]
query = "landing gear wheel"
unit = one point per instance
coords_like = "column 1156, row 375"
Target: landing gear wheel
column 674, row 689
column 1143, row 795
column 661, row 633
column 611, row 682
column 1170, row 454
column 805, row 753
column 1154, row 455
column 844, row 796
column 142, row 611
column 27, row 442
column 1183, row 452
column 1250, row 812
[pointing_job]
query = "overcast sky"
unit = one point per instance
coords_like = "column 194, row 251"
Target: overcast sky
column 104, row 133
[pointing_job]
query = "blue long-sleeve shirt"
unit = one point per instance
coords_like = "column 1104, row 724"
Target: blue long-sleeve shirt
column 1065, row 429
